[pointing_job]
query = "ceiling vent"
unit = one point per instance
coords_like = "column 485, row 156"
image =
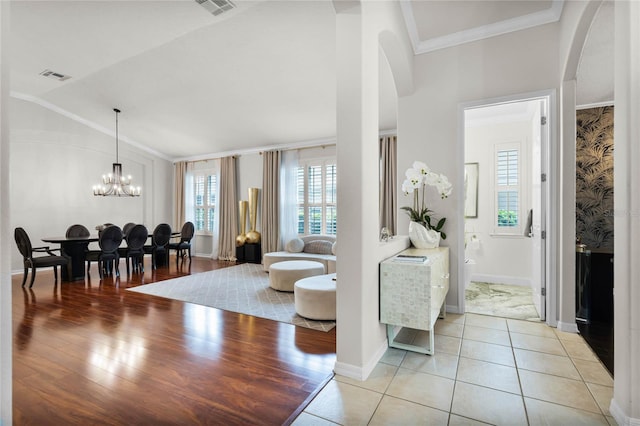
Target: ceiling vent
column 55, row 75
column 216, row 7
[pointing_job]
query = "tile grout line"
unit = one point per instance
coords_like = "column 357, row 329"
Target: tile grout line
column 515, row 363
column 455, row 379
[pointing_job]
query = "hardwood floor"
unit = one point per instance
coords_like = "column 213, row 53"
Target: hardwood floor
column 94, row 353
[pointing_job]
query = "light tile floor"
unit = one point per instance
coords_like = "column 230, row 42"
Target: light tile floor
column 486, row 370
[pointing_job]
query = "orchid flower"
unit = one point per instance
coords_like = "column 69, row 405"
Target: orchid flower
column 419, row 176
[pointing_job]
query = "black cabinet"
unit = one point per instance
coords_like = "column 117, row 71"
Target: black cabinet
column 602, row 287
column 583, row 285
column 594, row 286
column 251, row 253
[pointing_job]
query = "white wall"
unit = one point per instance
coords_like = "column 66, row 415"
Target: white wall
column 6, row 245
column 444, row 79
column 250, row 176
column 625, row 406
column 499, row 258
column 55, row 161
column 361, row 29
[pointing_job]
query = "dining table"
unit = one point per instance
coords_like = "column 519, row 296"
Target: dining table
column 75, row 248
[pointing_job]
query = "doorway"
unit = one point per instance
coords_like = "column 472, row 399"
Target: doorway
column 505, row 146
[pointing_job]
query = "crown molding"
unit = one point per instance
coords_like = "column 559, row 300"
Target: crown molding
column 595, row 105
column 550, row 15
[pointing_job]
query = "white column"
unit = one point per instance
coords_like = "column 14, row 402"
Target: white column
column 358, row 334
column 625, row 406
column 566, row 273
column 5, row 225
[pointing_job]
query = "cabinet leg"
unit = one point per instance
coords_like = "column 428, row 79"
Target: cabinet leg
column 392, row 334
column 443, row 311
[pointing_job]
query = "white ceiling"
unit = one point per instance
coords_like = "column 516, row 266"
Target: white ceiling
column 191, row 84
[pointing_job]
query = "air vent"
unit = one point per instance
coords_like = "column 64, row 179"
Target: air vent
column 55, row 75
column 216, row 7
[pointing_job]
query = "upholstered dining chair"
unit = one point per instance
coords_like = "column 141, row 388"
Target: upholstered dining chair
column 76, row 231
column 125, row 232
column 184, row 245
column 126, row 228
column 27, row 251
column 159, row 244
column 110, row 240
column 136, row 238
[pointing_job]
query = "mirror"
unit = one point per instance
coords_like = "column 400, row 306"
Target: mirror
column 471, row 190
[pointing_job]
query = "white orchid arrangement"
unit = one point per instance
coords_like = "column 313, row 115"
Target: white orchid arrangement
column 418, row 178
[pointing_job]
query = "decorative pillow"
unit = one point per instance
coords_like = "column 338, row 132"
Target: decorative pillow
column 318, row 247
column 333, row 248
column 295, row 246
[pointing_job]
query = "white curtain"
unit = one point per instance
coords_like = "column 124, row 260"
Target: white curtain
column 288, row 197
column 189, row 210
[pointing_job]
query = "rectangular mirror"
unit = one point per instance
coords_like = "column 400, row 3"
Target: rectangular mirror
column 471, row 190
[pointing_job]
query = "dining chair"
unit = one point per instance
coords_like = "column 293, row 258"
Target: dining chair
column 76, row 231
column 136, row 238
column 159, row 244
column 125, row 233
column 27, row 251
column 126, row 228
column 109, row 241
column 186, row 234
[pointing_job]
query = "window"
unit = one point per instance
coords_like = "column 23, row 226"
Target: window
column 507, row 188
column 317, row 197
column 205, row 199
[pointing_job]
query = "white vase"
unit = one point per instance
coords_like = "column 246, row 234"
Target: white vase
column 422, row 237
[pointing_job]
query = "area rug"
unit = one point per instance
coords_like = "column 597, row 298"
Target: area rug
column 242, row 288
column 500, row 300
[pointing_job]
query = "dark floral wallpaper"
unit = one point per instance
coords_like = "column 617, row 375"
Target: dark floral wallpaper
column 594, row 177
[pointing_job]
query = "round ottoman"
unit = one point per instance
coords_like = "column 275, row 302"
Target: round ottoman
column 283, row 275
column 315, row 297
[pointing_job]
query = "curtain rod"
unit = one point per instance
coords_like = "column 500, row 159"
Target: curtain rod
column 298, row 149
column 282, row 147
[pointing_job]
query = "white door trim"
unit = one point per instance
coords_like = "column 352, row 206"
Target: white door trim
column 549, row 166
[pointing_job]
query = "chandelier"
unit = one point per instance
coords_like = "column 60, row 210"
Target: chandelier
column 115, row 184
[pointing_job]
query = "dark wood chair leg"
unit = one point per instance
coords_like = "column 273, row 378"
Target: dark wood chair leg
column 24, row 279
column 55, row 274
column 33, row 277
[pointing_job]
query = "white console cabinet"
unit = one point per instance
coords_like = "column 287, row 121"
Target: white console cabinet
column 413, row 293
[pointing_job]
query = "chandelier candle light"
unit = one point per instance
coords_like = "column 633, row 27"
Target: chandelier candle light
column 115, row 184
column 422, row 232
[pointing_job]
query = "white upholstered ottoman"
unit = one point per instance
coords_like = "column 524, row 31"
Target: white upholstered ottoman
column 315, row 297
column 283, row 275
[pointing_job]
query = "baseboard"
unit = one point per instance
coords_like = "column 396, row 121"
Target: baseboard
column 453, row 309
column 501, row 279
column 621, row 418
column 567, row 327
column 360, row 373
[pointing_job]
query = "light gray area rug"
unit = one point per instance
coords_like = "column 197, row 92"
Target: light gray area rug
column 501, row 300
column 241, row 288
